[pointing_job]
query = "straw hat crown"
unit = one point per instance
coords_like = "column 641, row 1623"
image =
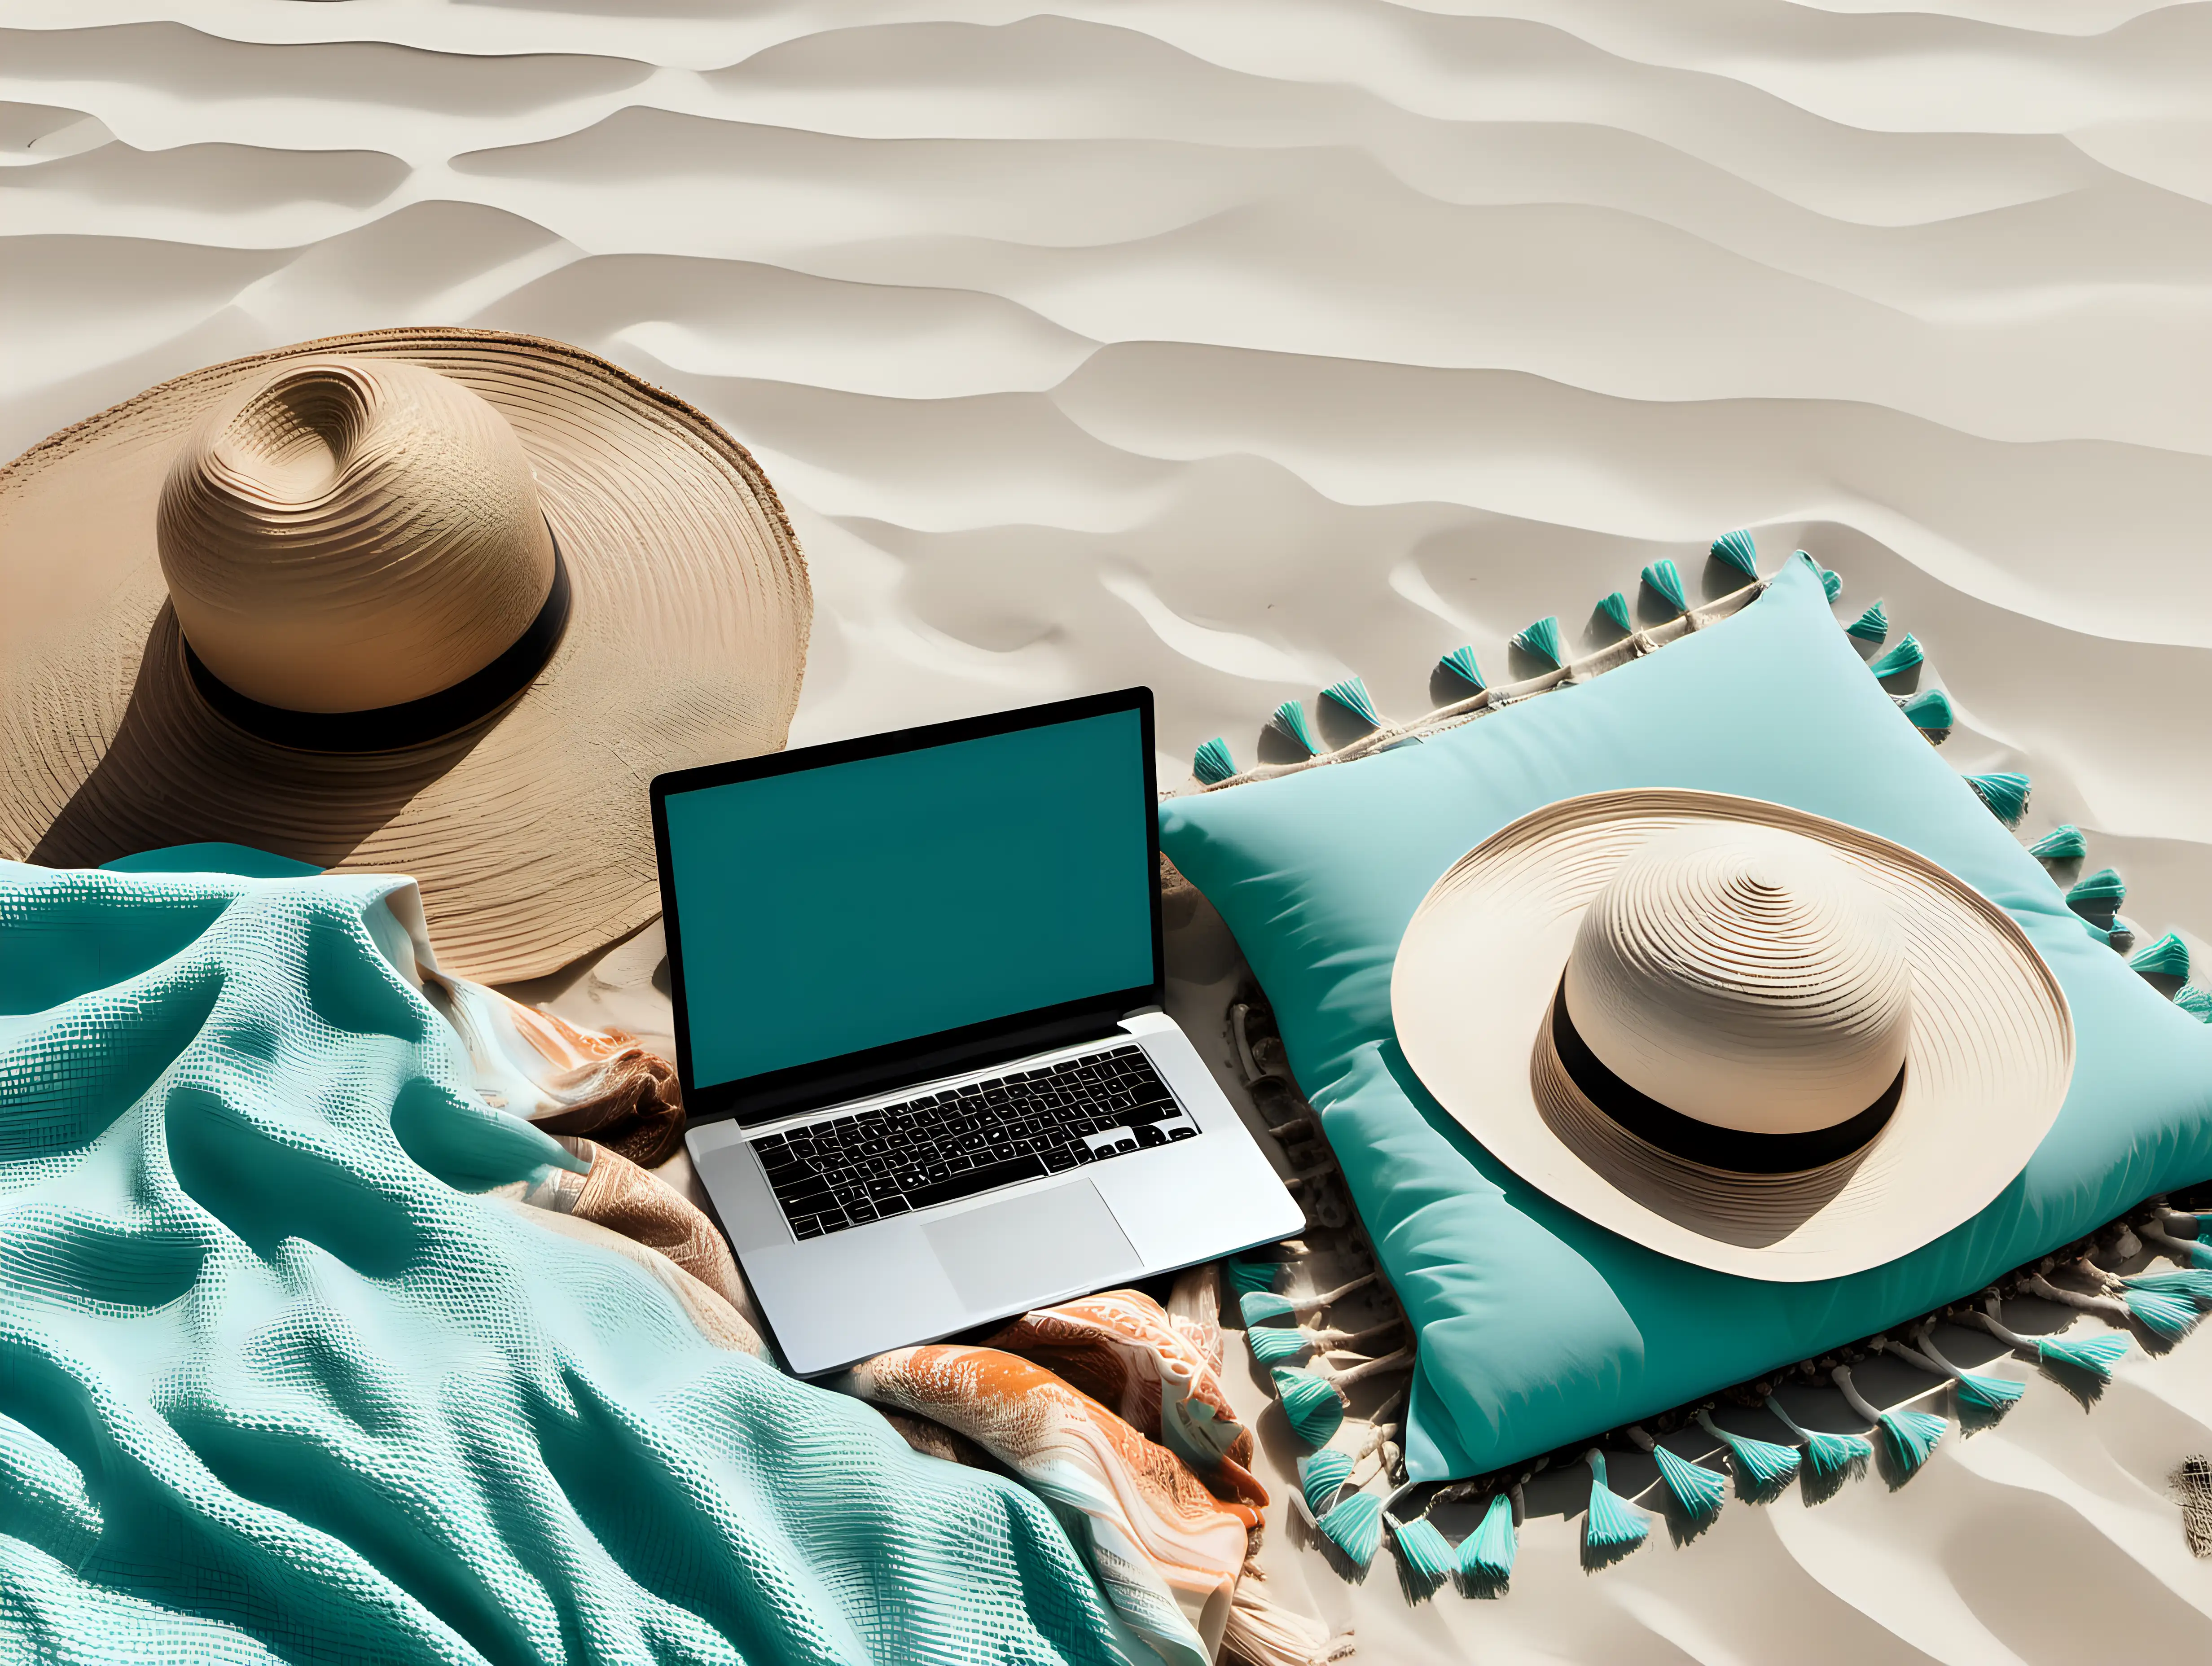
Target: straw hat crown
column 1745, row 978
column 345, row 534
column 427, row 601
column 1747, row 1037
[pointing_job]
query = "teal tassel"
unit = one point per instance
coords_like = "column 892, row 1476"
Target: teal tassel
column 1827, row 1454
column 1355, row 1527
column 1427, row 1554
column 2168, row 958
column 1929, row 709
column 1696, row 1488
column 1664, row 580
column 1259, row 1306
column 1211, row 761
column 1487, row 1553
column 1315, row 1408
column 2096, row 1355
column 1870, row 626
column 1613, row 1521
column 1248, row 1276
column 1291, row 719
column 2101, row 888
column 1459, row 662
column 1276, row 1345
column 1907, row 653
column 2194, row 1282
column 2171, row 1317
column 1737, row 550
column 1831, row 582
column 1912, row 1436
column 1615, row 608
column 2197, row 1002
column 1767, row 1464
column 1833, row 1454
column 1321, row 1475
column 1991, row 1392
column 2006, row 792
column 1542, row 640
column 2063, row 844
column 1351, row 694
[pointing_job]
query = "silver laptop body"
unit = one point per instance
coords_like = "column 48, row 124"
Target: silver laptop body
column 883, row 1187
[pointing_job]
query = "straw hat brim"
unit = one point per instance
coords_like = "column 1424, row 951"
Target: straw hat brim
column 1990, row 1056
column 530, row 832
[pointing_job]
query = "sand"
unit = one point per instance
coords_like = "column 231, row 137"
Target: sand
column 1234, row 348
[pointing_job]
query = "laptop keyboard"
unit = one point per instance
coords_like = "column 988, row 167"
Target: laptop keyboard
column 938, row 1147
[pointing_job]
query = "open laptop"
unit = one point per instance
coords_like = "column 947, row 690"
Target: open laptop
column 917, row 984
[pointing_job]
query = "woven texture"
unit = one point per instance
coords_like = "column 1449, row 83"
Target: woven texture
column 528, row 829
column 1961, row 991
column 273, row 1384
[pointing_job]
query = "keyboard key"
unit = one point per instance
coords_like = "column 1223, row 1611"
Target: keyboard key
column 955, row 1142
column 986, row 1179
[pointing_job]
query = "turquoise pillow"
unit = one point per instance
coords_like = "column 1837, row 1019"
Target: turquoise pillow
column 1536, row 1328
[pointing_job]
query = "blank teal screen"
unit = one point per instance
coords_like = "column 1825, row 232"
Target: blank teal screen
column 856, row 904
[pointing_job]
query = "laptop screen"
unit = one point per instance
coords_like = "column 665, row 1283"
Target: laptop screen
column 829, row 908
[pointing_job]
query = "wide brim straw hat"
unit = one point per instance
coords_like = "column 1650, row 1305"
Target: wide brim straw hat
column 420, row 649
column 1794, row 1050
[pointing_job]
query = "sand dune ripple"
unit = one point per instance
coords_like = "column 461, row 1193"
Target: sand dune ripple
column 1234, row 348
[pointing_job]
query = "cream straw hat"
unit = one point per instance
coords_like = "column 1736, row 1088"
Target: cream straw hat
column 433, row 602
column 1745, row 1036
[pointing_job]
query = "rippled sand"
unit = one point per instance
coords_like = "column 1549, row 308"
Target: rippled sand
column 1237, row 348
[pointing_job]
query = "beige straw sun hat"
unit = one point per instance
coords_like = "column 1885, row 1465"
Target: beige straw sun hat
column 437, row 602
column 1747, row 1037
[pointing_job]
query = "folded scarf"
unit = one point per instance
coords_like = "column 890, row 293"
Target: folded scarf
column 563, row 1079
column 1167, row 1552
column 1158, row 1373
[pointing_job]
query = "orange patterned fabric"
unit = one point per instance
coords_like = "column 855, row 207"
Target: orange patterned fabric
column 566, row 1078
column 1168, row 1554
column 1122, row 1349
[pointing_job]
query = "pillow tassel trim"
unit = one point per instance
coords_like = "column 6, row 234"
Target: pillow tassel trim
column 2006, row 792
column 1664, row 580
column 1899, row 1439
column 2168, row 1306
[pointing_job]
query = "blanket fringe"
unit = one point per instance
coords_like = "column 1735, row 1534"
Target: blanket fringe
column 1264, row 1632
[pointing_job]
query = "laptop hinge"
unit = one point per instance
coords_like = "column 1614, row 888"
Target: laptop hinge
column 835, row 1088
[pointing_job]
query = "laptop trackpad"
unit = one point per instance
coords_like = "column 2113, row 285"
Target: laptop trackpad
column 1042, row 1247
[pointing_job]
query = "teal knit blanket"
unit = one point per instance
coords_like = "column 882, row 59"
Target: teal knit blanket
column 275, row 1385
